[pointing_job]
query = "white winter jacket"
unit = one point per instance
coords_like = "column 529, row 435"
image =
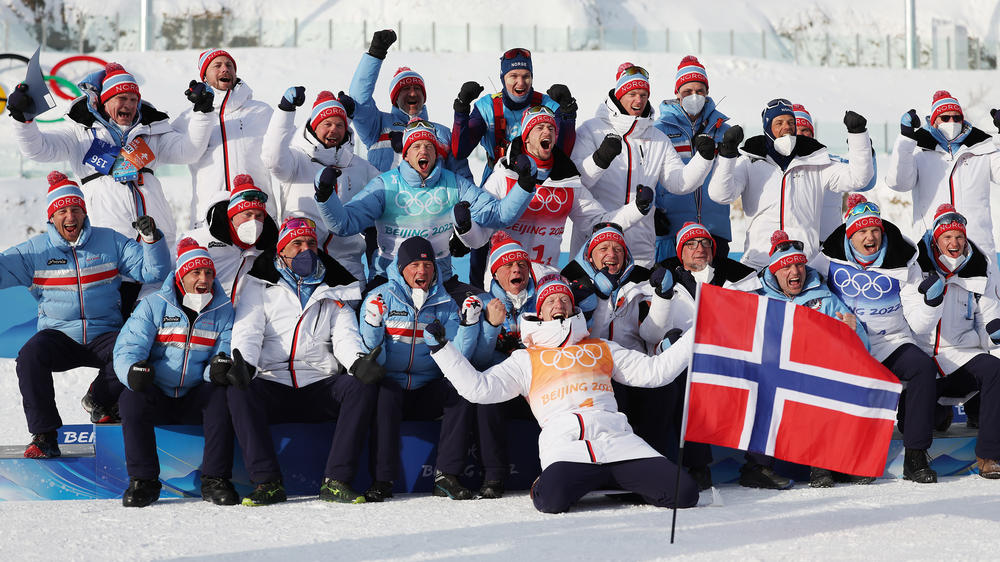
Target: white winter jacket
column 647, row 157
column 291, row 344
column 295, row 159
column 569, row 389
column 238, row 125
column 791, row 200
column 936, row 176
column 109, row 203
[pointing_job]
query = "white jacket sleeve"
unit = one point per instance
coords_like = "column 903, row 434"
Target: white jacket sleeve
column 54, row 146
column 859, row 168
column 583, row 157
column 345, row 335
column 509, row 379
column 248, row 329
column 286, row 164
column 989, row 307
column 655, row 325
column 175, row 147
column 635, row 368
column 729, row 180
column 680, row 178
column 901, row 175
column 995, row 166
column 587, row 210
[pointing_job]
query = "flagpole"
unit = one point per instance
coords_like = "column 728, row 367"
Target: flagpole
column 684, row 418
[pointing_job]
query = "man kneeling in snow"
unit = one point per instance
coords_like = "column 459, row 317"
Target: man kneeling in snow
column 585, row 444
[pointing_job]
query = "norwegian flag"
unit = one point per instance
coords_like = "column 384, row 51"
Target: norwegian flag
column 772, row 377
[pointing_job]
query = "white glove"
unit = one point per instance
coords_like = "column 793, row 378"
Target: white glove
column 375, row 310
column 472, row 309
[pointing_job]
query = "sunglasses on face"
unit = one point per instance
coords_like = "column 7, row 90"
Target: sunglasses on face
column 703, row 242
column 862, row 208
column 947, row 118
column 517, row 52
column 784, row 246
column 298, row 222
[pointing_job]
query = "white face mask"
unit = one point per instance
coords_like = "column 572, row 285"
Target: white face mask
column 249, row 231
column 197, row 301
column 693, row 104
column 518, row 300
column 785, row 145
column 951, row 262
column 950, row 130
column 705, row 275
column 419, row 296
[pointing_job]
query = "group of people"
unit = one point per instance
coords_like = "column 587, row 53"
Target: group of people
column 328, row 292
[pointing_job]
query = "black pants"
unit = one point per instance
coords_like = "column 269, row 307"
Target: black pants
column 915, row 367
column 982, row 372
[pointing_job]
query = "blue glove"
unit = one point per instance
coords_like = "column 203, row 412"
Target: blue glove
column 294, row 97
column 644, row 198
column 326, row 181
column 993, row 329
column 909, row 123
column 932, row 288
column 670, row 338
column 434, row 335
column 662, row 281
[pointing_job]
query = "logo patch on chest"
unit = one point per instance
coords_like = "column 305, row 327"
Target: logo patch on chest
column 56, row 261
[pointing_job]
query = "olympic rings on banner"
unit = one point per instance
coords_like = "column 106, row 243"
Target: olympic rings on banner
column 53, row 82
column 862, row 284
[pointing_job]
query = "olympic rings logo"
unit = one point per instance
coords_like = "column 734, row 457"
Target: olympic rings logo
column 56, row 83
column 862, row 284
column 424, row 202
column 585, row 355
column 551, row 199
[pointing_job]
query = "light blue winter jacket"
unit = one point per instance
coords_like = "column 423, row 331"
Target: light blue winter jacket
column 406, row 357
column 76, row 286
column 486, row 354
column 402, row 205
column 373, row 126
column 179, row 352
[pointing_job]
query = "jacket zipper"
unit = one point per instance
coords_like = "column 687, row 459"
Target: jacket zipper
column 187, row 350
column 225, row 143
column 413, row 346
column 79, row 286
column 295, row 335
column 628, row 172
column 236, row 281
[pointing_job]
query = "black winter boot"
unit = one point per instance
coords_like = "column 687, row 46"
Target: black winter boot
column 760, row 476
column 820, row 478
column 141, row 493
column 219, row 491
column 490, row 490
column 448, row 486
column 916, row 467
column 379, row 491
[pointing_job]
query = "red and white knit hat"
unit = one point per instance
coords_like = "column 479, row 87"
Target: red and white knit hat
column 942, row 102
column 608, row 233
column 627, row 80
column 294, row 227
column 690, row 70
column 405, row 77
column 690, row 231
column 504, row 250
column 947, row 218
column 326, row 105
column 206, row 58
column 422, row 130
column 552, row 284
column 863, row 216
column 803, row 118
column 63, row 192
column 117, row 81
column 244, row 196
column 785, row 257
column 535, row 116
column 191, row 256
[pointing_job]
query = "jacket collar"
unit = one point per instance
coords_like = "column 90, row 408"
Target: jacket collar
column 218, row 226
column 562, row 167
column 807, row 151
column 612, row 113
column 898, row 250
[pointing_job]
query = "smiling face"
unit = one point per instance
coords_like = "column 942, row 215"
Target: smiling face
column 198, row 281
column 221, row 73
column 513, row 276
column 517, row 82
column 951, row 243
column 541, row 140
column 122, row 108
column 331, row 131
column 696, row 254
column 608, row 255
column 867, row 241
column 68, row 222
column 410, row 99
column 791, row 278
column 635, row 101
column 556, row 306
column 421, row 155
column 783, row 125
column 419, row 274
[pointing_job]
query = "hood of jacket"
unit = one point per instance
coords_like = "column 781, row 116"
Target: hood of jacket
column 898, row 250
column 620, row 122
column 536, row 332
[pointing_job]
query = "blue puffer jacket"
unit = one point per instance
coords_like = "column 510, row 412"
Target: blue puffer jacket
column 77, row 286
column 406, row 357
column 814, row 295
column 159, row 331
column 373, row 126
column 401, row 205
column 695, row 206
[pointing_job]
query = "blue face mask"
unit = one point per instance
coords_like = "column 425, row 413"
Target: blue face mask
column 304, row 263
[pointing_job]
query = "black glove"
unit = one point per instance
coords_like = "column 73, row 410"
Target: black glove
column 560, row 94
column 909, row 123
column 456, row 247
column 140, row 376
column 200, row 95
column 366, row 368
column 673, row 335
column 705, row 146
column 660, row 222
column 996, row 118
column 469, row 92
column 348, row 103
column 396, row 141
column 146, row 227
column 525, row 179
column 993, row 329
column 293, row 97
column 381, row 41
column 325, row 182
column 239, row 374
column 219, row 367
column 434, row 335
column 19, row 103
column 582, row 289
column 656, row 279
column 855, row 122
column 463, row 217
column 644, row 198
column 730, row 145
column 610, row 147
column 932, row 288
column 684, row 278
column 508, row 342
